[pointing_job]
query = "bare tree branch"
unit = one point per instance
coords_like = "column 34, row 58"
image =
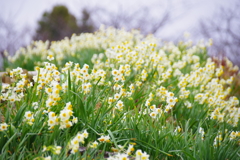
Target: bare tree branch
column 141, row 19
column 224, row 29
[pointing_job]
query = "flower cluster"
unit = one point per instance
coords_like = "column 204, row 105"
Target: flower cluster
column 234, row 135
column 65, row 118
column 79, row 138
column 201, row 131
column 104, row 139
column 48, row 79
column 127, row 154
column 131, row 88
column 53, row 149
column 29, row 117
column 59, row 50
column 15, row 92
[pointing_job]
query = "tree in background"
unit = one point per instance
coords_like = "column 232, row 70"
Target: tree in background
column 59, row 23
column 224, row 29
column 141, row 19
column 86, row 24
column 11, row 38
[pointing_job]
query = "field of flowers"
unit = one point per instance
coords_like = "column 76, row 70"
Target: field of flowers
column 118, row 95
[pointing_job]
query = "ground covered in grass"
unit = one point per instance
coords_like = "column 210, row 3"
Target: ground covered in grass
column 118, row 95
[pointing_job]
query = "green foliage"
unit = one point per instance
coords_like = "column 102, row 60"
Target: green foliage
column 60, row 23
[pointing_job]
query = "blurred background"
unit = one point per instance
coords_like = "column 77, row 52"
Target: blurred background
column 22, row 21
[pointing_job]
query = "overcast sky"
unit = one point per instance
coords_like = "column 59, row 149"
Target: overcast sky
column 185, row 13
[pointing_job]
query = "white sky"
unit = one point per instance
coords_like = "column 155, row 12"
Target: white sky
column 186, row 12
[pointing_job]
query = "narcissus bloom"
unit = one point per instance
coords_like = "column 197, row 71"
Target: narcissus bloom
column 3, row 126
column 50, row 57
column 104, row 138
column 28, row 115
